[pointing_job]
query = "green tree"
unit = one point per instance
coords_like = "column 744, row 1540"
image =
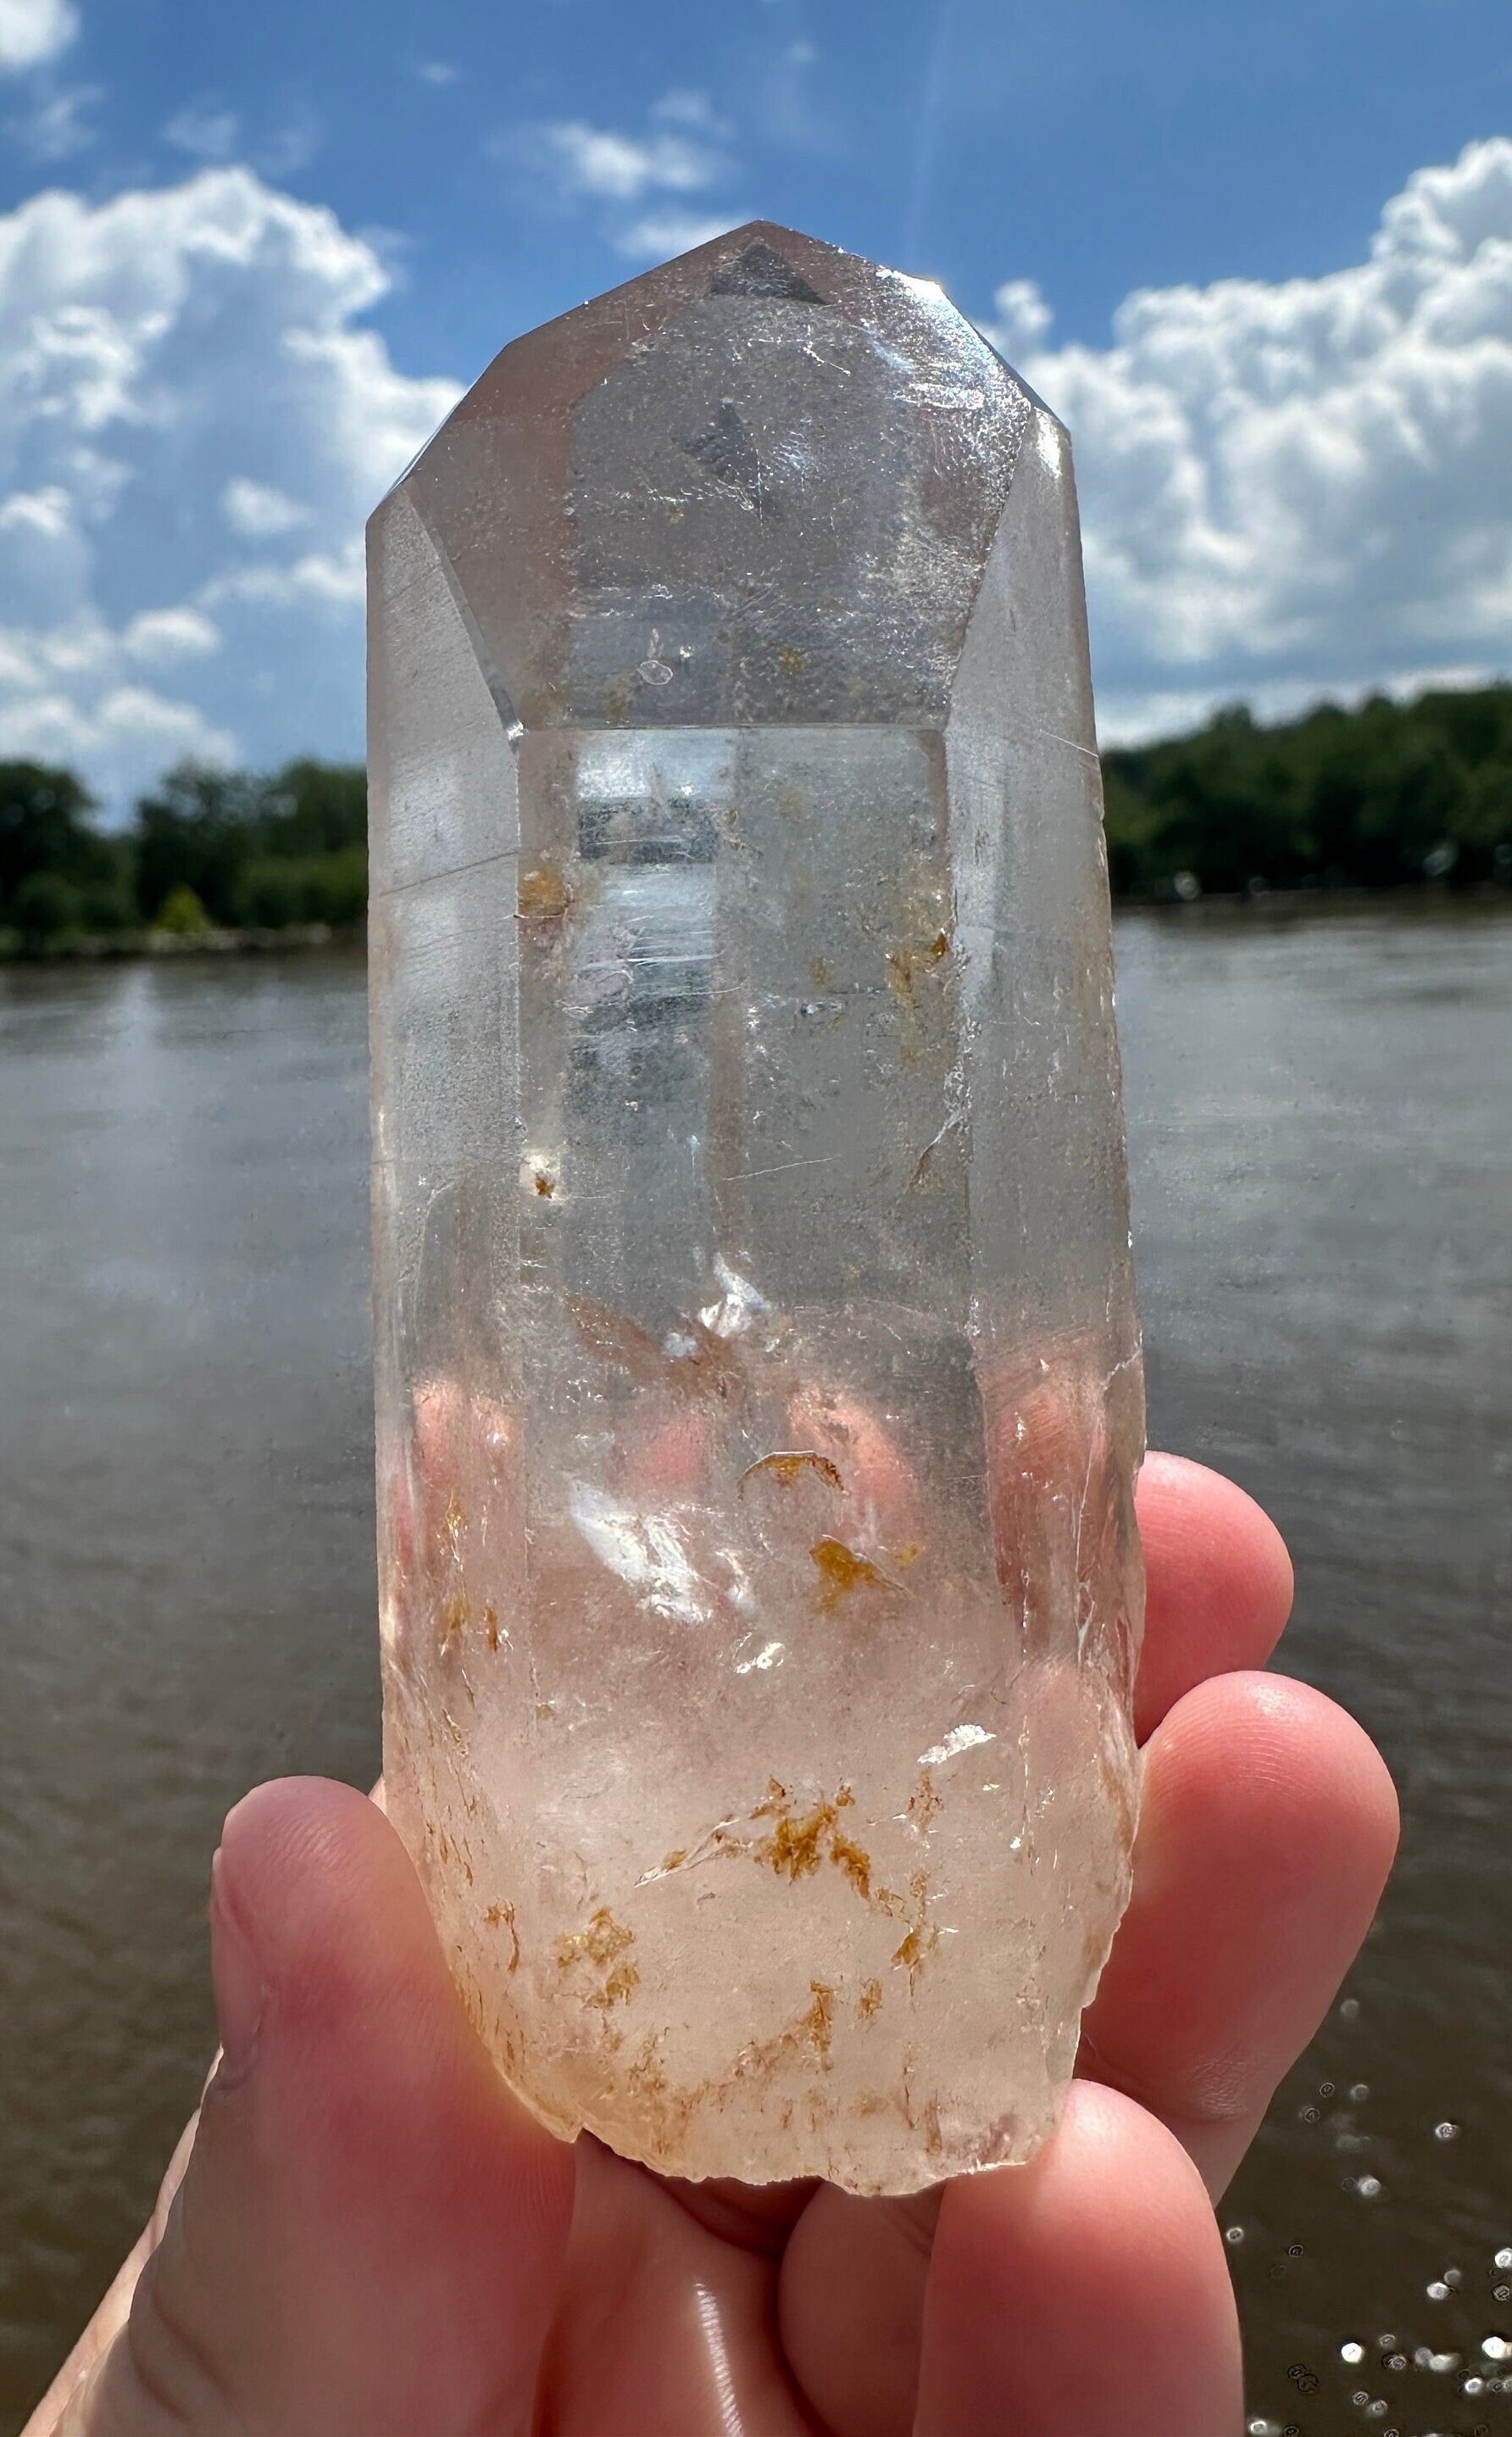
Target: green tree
column 257, row 850
column 45, row 831
column 182, row 913
column 312, row 888
column 44, row 908
column 1381, row 796
column 194, row 832
column 315, row 808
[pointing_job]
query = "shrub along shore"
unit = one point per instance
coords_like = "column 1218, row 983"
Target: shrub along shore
column 1389, row 796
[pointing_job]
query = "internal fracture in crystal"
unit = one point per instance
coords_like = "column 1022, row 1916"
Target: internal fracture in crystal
column 758, row 1383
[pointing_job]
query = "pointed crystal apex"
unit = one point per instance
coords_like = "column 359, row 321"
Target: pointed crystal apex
column 789, row 460
column 761, row 270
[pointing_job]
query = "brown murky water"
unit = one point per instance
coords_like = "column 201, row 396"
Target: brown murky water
column 1322, row 1124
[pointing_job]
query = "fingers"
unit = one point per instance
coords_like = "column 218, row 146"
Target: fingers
column 1218, row 1581
column 1083, row 2295
column 1268, row 1828
column 660, row 2329
column 369, row 2232
column 1219, row 1587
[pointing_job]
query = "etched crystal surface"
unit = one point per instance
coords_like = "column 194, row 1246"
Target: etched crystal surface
column 758, row 1383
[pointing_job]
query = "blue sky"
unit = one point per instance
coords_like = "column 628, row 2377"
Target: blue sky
column 247, row 256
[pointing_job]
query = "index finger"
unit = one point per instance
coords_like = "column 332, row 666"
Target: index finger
column 1218, row 1583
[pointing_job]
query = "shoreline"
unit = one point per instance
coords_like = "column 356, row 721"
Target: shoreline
column 1269, row 905
column 1301, row 904
column 133, row 947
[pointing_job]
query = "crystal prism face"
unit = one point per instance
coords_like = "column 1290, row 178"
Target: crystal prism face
column 759, row 1396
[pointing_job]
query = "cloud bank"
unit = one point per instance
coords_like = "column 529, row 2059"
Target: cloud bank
column 34, row 31
column 193, row 426
column 1303, row 487
column 1288, row 489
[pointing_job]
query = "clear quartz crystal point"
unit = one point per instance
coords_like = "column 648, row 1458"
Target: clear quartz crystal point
column 759, row 1397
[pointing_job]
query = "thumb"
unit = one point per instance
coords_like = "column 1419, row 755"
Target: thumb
column 368, row 2236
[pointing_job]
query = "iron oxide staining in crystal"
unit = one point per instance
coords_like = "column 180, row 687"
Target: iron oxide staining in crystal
column 758, row 1381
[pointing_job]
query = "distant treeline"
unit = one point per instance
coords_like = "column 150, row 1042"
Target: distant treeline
column 1383, row 796
column 206, row 850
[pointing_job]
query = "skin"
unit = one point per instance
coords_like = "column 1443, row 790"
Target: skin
column 366, row 2237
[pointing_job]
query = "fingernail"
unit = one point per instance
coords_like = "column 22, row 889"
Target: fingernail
column 238, row 1977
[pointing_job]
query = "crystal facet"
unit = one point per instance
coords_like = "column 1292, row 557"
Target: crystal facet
column 759, row 1396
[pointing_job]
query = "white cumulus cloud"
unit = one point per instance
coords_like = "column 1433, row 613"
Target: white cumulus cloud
column 32, row 31
column 605, row 161
column 156, row 636
column 200, row 129
column 257, row 508
column 194, row 425
column 676, row 155
column 1020, row 318
column 56, row 124
column 659, row 234
column 684, row 107
column 1299, row 487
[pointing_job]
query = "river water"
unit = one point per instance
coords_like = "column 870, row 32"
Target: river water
column 1320, row 1127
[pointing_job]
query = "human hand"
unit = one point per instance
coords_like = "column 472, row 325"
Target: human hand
column 369, row 2237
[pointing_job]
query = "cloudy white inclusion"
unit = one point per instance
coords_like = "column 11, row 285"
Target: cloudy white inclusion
column 959, row 1740
column 645, row 1551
